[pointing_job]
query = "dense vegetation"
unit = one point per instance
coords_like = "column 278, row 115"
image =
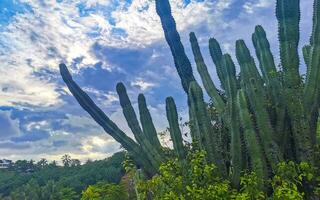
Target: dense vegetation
column 48, row 181
column 196, row 179
column 258, row 122
column 257, row 140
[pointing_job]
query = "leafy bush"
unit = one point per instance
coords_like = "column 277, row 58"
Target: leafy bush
column 103, row 191
column 195, row 179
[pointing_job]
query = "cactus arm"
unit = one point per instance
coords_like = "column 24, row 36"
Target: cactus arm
column 267, row 65
column 131, row 118
column 288, row 15
column 216, row 56
column 181, row 60
column 109, row 126
column 233, row 123
column 147, row 123
column 175, row 131
column 254, row 90
column 205, row 77
column 208, row 138
column 312, row 88
column 271, row 78
column 258, row 163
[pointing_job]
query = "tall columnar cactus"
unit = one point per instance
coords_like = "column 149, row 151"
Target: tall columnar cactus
column 253, row 86
column 269, row 117
column 203, row 71
column 216, row 55
column 175, row 132
column 312, row 88
column 147, row 124
column 142, row 137
column 172, row 36
column 255, row 151
column 231, row 87
column 270, row 77
column 110, row 127
column 205, row 135
column 288, row 15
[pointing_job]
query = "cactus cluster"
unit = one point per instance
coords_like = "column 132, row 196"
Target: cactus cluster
column 269, row 117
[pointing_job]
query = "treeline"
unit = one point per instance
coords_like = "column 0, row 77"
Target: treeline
column 30, row 180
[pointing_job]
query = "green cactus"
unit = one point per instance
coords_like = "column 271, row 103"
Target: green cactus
column 97, row 114
column 153, row 154
column 312, row 89
column 206, row 136
column 148, row 128
column 175, row 132
column 288, row 15
column 203, row 71
column 230, row 84
column 216, row 55
column 172, row 36
column 270, row 77
column 253, row 87
column 258, row 162
column 269, row 117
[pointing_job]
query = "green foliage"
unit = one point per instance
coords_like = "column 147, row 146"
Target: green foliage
column 193, row 179
column 76, row 177
column 196, row 179
column 103, row 191
column 51, row 191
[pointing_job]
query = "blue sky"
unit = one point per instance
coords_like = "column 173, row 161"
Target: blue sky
column 104, row 42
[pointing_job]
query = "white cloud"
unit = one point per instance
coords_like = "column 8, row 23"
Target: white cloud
column 250, row 7
column 142, row 84
column 54, row 32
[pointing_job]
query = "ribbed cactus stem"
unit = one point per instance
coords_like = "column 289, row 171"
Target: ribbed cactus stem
column 201, row 123
column 175, row 132
column 110, row 127
column 258, row 163
column 132, row 120
column 233, row 116
column 271, row 78
column 288, row 15
column 312, row 87
column 267, row 65
column 255, row 92
column 147, row 124
column 172, row 36
column 205, row 76
column 216, row 55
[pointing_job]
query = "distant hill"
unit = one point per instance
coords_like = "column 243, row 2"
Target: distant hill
column 76, row 177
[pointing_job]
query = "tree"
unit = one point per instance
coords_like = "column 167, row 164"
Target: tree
column 66, row 160
column 68, row 194
column 103, row 190
column 42, row 163
column 75, row 162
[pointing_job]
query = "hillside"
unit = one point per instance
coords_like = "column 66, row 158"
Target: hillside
column 74, row 178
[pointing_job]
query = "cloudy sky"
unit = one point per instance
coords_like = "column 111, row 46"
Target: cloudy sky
column 104, row 42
